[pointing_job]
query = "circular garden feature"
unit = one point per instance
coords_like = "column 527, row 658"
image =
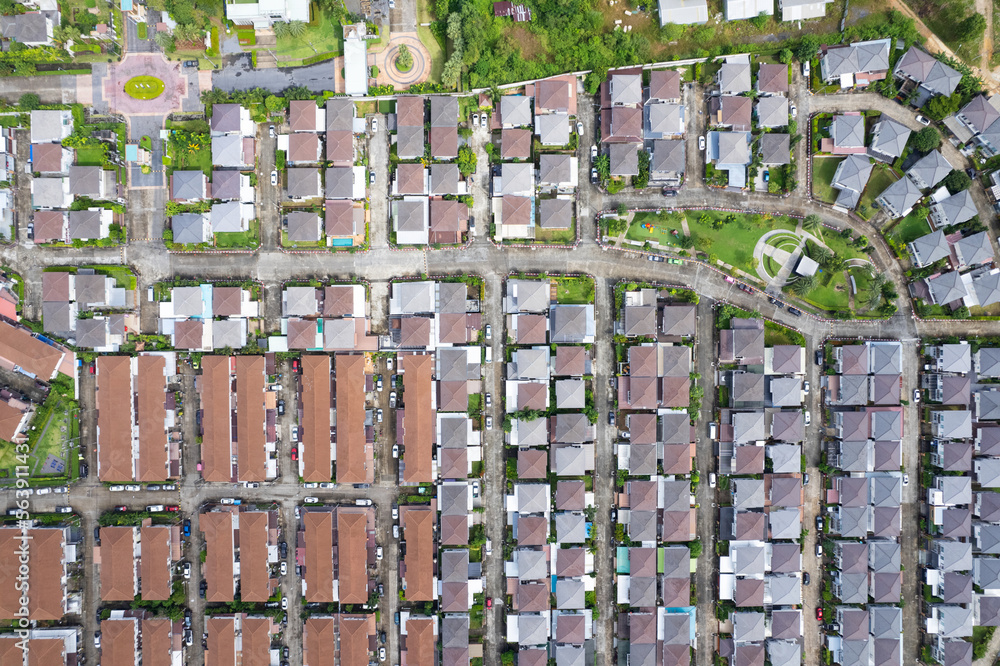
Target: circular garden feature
column 404, row 59
column 144, row 87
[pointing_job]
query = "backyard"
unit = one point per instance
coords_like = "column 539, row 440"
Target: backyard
column 58, row 430
column 243, row 240
column 92, row 155
column 323, row 35
column 189, row 147
column 881, row 178
column 556, row 236
column 911, row 227
column 822, row 177
column 574, row 290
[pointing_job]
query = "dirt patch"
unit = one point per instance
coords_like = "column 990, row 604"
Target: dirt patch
column 531, row 47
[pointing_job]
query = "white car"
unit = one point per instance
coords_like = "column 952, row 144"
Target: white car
column 579, row 128
column 284, row 603
column 310, row 500
column 475, row 489
column 489, row 547
column 116, row 489
column 362, row 502
column 374, row 125
column 395, row 531
column 187, row 571
column 489, row 400
column 483, row 120
column 62, row 490
column 793, row 111
column 43, row 491
column 378, row 415
column 489, row 423
column 916, row 395
column 283, row 568
column 593, row 152
column 395, row 450
column 274, row 177
column 227, row 500
column 805, row 387
column 381, row 654
column 388, row 363
column 378, row 553
column 808, row 417
column 133, row 488
column 310, row 486
column 711, row 480
column 475, row 120
column 155, row 508
column 328, row 486
column 489, row 332
column 906, row 479
column 701, row 143
column 923, row 121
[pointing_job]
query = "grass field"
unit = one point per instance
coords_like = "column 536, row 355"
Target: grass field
column 244, row 240
column 59, row 432
column 556, row 236
column 324, row 37
column 913, row 226
column 91, row 155
column 943, row 18
column 879, row 181
column 191, row 156
column 435, row 51
column 822, row 176
column 574, row 290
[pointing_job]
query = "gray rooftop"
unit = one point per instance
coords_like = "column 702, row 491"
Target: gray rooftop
column 889, row 137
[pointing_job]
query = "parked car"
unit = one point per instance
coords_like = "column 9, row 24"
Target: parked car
column 711, row 480
column 819, row 357
column 819, row 523
column 489, row 400
column 489, row 423
column 97, row 640
column 489, row 602
column 701, row 143
column 793, row 111
column 281, row 408
column 923, row 121
column 378, row 415
column 310, row 500
column 381, row 654
column 484, row 120
column 593, row 152
column 655, row 257
column 64, row 509
column 392, row 400
column 475, row 489
column 31, row 231
column 805, row 387
column 133, row 488
column 327, row 486
column 805, row 577
column 270, row 131
column 371, row 178
column 906, row 479
column 795, row 311
column 274, row 178
column 579, row 128
column 187, row 527
column 808, row 417
column 190, row 63
column 916, row 395
column 819, row 613
column 819, row 548
column 667, row 192
column 378, row 553
column 593, row 175
column 284, row 603
column 395, row 450
column 395, row 512
column 295, row 452
column 283, row 549
column 187, row 571
column 489, row 332
column 155, row 508
column 395, row 531
column 805, row 479
column 374, row 125
column 611, row 418
column 475, row 120
column 61, row 490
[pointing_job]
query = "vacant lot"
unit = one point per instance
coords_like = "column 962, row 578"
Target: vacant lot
column 822, row 176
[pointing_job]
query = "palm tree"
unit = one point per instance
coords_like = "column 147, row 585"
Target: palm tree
column 164, row 40
column 281, row 29
column 802, row 285
column 813, row 224
column 296, row 28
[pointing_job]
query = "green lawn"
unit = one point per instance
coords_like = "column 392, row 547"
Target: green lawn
column 833, row 292
column 912, row 226
column 574, row 290
column 556, row 236
column 196, row 126
column 122, row 275
column 880, row 179
column 144, row 87
column 840, row 247
column 434, row 50
column 91, row 155
column 243, row 240
column 191, row 156
column 325, row 36
column 822, row 176
column 60, row 433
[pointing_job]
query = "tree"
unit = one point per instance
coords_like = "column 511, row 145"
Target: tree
column 466, row 160
column 760, row 21
column 671, row 32
column 971, row 28
column 296, row 28
column 165, row 41
column 807, row 48
column 786, row 56
column 29, row 101
column 280, row 29
column 273, row 104
column 813, row 223
column 956, row 181
column 404, row 59
column 926, row 140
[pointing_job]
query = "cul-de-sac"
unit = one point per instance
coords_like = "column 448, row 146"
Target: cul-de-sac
column 514, row 333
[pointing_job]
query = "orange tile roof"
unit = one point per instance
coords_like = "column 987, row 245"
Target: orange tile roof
column 418, row 530
column 218, row 569
column 316, row 394
column 10, row 421
column 41, row 652
column 420, row 641
column 114, row 418
column 46, row 592
column 256, row 641
column 221, row 641
column 151, row 386
column 118, row 564
column 355, row 640
column 353, row 454
column 418, row 417
column 119, row 642
column 251, row 456
column 318, row 534
column 157, row 642
column 18, row 346
column 216, row 445
column 155, row 563
column 318, row 636
column 254, row 570
column 352, row 555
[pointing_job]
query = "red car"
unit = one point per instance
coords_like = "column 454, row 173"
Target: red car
column 121, row 508
column 819, row 613
column 92, row 367
column 489, row 602
column 173, row 507
column 295, row 453
column 295, row 365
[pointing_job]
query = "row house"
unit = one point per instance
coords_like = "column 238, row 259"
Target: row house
column 138, row 561
column 336, row 549
column 242, row 547
column 208, row 317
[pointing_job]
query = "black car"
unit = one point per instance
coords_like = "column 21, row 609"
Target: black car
column 611, row 418
column 381, row 638
column 203, row 588
column 819, row 357
column 397, row 618
column 669, row 193
column 97, row 534
column 190, row 63
column 84, row 469
column 819, row 523
column 283, row 546
column 794, row 311
column 284, row 652
column 187, row 618
column 281, row 408
column 775, row 302
column 805, row 577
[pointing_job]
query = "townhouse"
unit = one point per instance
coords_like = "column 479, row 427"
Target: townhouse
column 240, row 638
column 241, row 544
column 134, row 636
column 336, row 546
column 207, row 316
column 50, row 552
column 138, row 561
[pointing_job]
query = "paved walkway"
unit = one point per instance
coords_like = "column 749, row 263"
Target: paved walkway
column 175, row 85
column 385, row 59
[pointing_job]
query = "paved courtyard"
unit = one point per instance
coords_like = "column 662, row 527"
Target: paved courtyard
column 175, row 85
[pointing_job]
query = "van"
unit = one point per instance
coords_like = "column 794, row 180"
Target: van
column 149, row 294
column 712, row 430
column 805, row 69
column 489, row 354
column 489, row 546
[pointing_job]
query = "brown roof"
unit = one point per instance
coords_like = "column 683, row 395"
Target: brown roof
column 216, row 438
column 352, row 555
column 151, row 387
column 532, row 530
column 218, row 567
column 411, row 178
column 251, row 457
column 317, row 641
column 157, row 634
column 444, row 142
column 189, row 334
column 677, row 458
column 55, row 286
column 552, row 95
column 318, row 536
column 410, row 112
column 10, row 421
column 114, row 418
column 46, row 157
column 315, row 396
column 570, row 562
column 118, row 642
column 118, row 563
column 532, row 657
column 227, row 301
column 340, row 146
column 46, row 560
column 340, row 218
column 515, row 210
column 43, row 652
column 736, row 111
column 221, row 641
column 302, row 333
column 338, row 300
column 772, row 78
column 570, row 628
column 49, row 225
column 418, row 419
column 570, row 360
column 418, row 530
column 256, row 641
column 532, row 329
column 664, row 84
column 155, row 562
column 254, row 568
column 570, row 495
column 302, row 115
column 532, row 597
column 515, row 143
column 454, row 529
column 355, row 639
column 303, row 147
column 18, row 346
column 354, row 464
column 420, row 641
column 532, row 464
column 532, row 395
